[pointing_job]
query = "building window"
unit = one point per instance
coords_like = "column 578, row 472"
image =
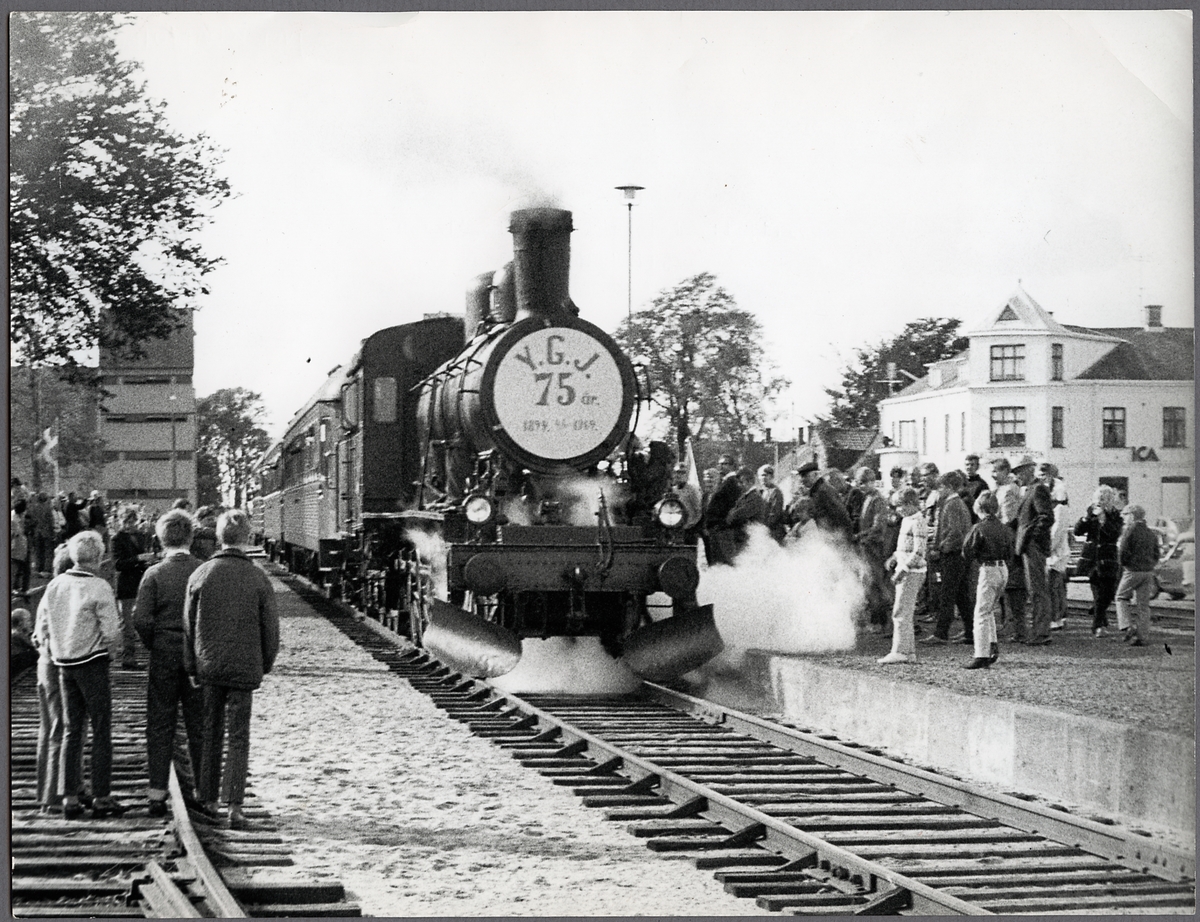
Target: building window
column 1174, row 427
column 908, row 433
column 1056, row 362
column 1008, row 427
column 947, row 433
column 1114, row 427
column 1008, row 363
column 1056, row 427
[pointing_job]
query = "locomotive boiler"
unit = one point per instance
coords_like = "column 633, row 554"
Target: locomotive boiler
column 521, row 504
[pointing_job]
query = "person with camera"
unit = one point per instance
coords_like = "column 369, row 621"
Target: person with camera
column 1101, row 528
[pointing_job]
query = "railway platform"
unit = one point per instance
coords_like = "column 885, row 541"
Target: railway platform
column 1085, row 721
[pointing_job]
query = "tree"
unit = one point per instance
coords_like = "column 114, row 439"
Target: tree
column 864, row 381
column 703, row 356
column 105, row 200
column 230, row 439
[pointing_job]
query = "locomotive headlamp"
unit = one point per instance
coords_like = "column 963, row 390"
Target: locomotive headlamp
column 670, row 512
column 479, row 509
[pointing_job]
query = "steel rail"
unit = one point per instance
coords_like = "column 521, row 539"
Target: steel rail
column 1029, row 817
column 162, row 897
column 216, row 893
column 748, row 825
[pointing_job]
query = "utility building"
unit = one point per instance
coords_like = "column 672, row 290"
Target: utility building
column 1113, row 406
column 148, row 421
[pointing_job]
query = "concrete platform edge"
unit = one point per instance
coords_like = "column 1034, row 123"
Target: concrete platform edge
column 1139, row 775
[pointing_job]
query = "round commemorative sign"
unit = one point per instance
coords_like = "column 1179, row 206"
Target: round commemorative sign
column 558, row 392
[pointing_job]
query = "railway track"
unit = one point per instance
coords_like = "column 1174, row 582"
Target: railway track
column 797, row 821
column 184, row 865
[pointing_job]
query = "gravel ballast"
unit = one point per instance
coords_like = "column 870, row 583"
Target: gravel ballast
column 374, row 786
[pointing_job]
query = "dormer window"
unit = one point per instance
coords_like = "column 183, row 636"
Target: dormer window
column 1008, row 363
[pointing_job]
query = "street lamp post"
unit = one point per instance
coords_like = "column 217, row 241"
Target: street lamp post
column 630, row 192
column 174, row 461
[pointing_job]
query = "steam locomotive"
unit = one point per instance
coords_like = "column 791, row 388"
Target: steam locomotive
column 474, row 481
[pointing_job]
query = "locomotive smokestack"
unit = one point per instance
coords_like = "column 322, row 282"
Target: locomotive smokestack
column 542, row 261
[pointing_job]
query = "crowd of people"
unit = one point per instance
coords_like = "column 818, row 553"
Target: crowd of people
column 939, row 546
column 204, row 613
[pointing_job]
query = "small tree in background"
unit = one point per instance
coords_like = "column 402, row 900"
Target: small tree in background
column 709, row 374
column 856, row 403
column 230, row 441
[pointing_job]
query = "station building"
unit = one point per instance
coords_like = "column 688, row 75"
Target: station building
column 1106, row 405
column 148, row 421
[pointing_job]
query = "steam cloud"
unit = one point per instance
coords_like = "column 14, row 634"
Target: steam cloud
column 572, row 665
column 802, row 598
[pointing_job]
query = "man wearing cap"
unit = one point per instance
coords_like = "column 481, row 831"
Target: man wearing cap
column 1060, row 545
column 829, row 511
column 1035, row 518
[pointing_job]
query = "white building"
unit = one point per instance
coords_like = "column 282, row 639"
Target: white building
column 1111, row 406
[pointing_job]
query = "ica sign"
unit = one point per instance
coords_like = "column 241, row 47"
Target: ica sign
column 1142, row 453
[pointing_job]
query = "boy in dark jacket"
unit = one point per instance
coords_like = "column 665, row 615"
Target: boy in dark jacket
column 1139, row 556
column 231, row 638
column 158, row 617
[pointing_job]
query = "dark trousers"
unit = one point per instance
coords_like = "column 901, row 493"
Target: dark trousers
column 86, row 694
column 168, row 691
column 1034, row 559
column 1104, row 590
column 19, row 577
column 954, row 590
column 217, row 700
column 43, row 552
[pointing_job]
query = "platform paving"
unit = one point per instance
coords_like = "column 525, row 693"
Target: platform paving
column 1087, row 722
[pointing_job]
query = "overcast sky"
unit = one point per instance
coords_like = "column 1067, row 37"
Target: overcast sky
column 840, row 173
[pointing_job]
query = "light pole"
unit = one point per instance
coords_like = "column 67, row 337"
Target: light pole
column 630, row 192
column 174, row 462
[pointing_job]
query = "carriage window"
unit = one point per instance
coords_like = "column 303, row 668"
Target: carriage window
column 350, row 411
column 385, row 400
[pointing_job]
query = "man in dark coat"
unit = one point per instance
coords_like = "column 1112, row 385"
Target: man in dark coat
column 131, row 556
column 158, row 617
column 950, row 571
column 1034, row 520
column 749, row 508
column 720, row 504
column 973, row 486
column 231, row 639
column 829, row 509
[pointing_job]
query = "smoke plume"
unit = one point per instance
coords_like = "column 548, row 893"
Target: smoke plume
column 571, row 665
column 801, row 598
